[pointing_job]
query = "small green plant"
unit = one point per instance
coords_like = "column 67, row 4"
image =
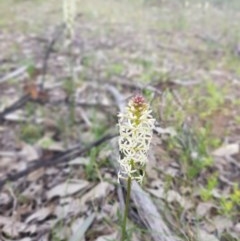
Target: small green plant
column 213, row 99
column 31, row 133
column 146, row 64
column 87, row 60
column 194, row 150
column 205, row 194
column 46, row 142
column 212, row 182
column 172, row 111
column 226, row 206
column 30, row 109
column 229, row 204
column 69, row 86
column 235, row 196
column 115, row 69
column 91, row 167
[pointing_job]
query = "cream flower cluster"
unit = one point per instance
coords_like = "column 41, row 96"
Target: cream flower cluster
column 69, row 14
column 135, row 129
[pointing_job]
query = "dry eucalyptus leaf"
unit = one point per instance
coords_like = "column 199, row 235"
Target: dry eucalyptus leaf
column 216, row 193
column 67, row 188
column 237, row 228
column 204, row 208
column 209, row 226
column 34, row 176
column 56, row 94
column 29, row 153
column 5, row 199
column 72, row 208
column 5, row 163
column 76, row 224
column 33, row 190
column 159, row 193
column 79, row 161
column 173, row 196
column 82, row 228
column 15, row 117
column 98, row 192
column 14, row 229
column 112, row 236
column 40, row 215
column 166, row 131
column 25, row 239
column 172, row 171
column 222, row 223
column 5, row 220
column 204, row 236
column 62, row 233
column 227, row 150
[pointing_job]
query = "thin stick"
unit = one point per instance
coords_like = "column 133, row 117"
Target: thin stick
column 63, row 158
column 124, row 224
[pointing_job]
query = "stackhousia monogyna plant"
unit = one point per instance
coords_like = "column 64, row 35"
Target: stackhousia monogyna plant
column 69, row 14
column 135, row 129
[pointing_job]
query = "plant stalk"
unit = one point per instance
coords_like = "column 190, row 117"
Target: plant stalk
column 124, row 223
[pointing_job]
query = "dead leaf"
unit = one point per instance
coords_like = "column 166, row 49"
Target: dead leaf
column 222, row 223
column 98, row 192
column 16, row 116
column 67, row 188
column 79, row 161
column 82, row 228
column 25, row 239
column 159, row 193
column 40, row 215
column 29, row 153
column 33, row 191
column 34, row 176
column 112, row 236
column 13, row 228
column 173, row 196
column 5, row 200
column 6, row 162
column 227, row 150
column 204, row 208
column 166, row 131
column 76, row 224
column 237, row 228
column 204, row 236
column 35, row 92
column 69, row 207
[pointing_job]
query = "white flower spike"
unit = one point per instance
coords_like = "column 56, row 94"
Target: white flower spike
column 135, row 127
column 69, row 14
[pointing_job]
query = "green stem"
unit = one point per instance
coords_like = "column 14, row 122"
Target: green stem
column 124, row 223
column 72, row 87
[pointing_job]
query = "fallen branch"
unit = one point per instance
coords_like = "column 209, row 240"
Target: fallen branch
column 49, row 50
column 59, row 159
column 16, row 105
